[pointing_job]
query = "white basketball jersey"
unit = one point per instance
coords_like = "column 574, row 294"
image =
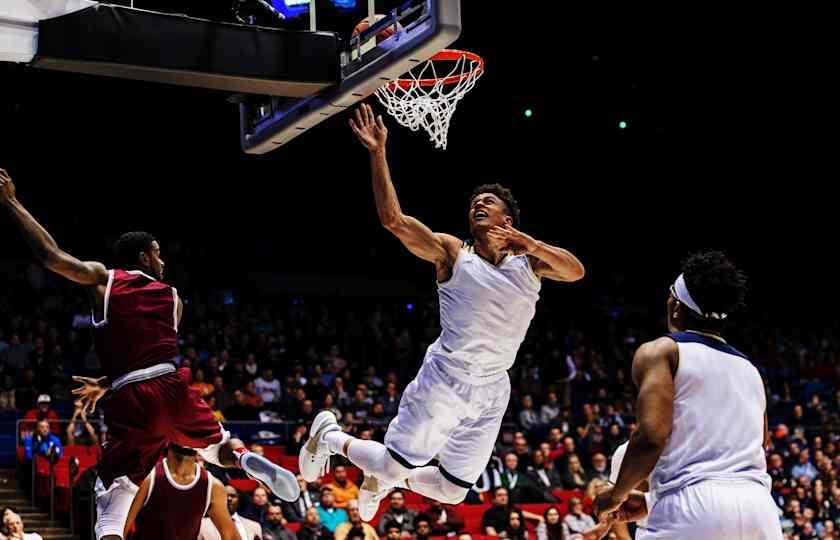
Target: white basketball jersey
column 718, row 426
column 485, row 311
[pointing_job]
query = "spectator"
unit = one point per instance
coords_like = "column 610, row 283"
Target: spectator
column 329, row 405
column 391, row 400
column 248, row 529
column 393, row 531
column 258, row 509
column 552, row 527
column 542, row 473
column 343, row 490
column 330, row 516
column 83, row 434
column 14, row 525
column 268, row 387
column 42, row 443
column 574, row 477
column 273, row 528
column 550, row 409
column 528, row 417
column 520, row 486
column 515, row 529
column 312, row 529
column 355, row 522
column 360, row 406
column 576, row 522
column 464, row 536
column 8, row 400
column 522, row 451
column 17, row 354
column 599, row 467
column 422, row 527
column 567, row 449
column 804, row 467
column 223, row 398
column 252, row 398
column 214, row 408
column 42, row 411
column 494, row 521
column 444, row 518
column 240, row 411
column 295, row 511
column 399, row 514
column 200, row 384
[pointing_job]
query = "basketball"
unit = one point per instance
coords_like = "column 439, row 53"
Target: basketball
column 381, row 36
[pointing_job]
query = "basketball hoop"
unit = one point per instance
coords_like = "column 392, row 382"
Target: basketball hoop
column 427, row 100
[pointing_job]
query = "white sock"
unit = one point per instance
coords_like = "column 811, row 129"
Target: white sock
column 335, row 441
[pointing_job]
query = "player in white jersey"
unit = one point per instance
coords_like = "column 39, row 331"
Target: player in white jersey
column 488, row 288
column 702, row 422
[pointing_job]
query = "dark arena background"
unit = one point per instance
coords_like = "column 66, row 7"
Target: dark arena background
column 632, row 146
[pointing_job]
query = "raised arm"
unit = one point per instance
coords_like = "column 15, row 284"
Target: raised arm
column 437, row 248
column 42, row 244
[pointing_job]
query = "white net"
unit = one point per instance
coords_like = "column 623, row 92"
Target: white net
column 426, row 100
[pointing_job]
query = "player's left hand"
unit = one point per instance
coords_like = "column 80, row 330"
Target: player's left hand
column 513, row 240
column 90, row 392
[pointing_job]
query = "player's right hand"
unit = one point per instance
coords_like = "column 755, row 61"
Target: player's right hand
column 7, row 187
column 370, row 130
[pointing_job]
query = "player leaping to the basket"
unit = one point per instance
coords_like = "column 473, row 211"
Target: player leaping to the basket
column 488, row 288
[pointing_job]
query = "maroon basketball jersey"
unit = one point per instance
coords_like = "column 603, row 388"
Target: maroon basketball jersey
column 173, row 511
column 139, row 327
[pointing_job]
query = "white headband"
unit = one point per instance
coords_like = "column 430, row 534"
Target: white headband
column 681, row 291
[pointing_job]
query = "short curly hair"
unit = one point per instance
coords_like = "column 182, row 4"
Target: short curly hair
column 715, row 283
column 504, row 194
column 130, row 245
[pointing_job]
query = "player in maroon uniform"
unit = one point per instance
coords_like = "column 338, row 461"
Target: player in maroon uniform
column 174, row 498
column 149, row 403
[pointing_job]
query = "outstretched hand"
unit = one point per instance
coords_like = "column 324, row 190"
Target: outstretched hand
column 7, row 187
column 370, row 130
column 90, row 392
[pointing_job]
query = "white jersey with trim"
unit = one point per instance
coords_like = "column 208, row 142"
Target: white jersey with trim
column 485, row 312
column 718, row 422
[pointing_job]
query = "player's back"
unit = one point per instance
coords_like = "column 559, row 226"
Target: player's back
column 171, row 510
column 718, row 424
column 139, row 323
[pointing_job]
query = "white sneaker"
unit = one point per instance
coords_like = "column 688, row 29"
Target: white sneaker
column 280, row 481
column 370, row 495
column 314, row 458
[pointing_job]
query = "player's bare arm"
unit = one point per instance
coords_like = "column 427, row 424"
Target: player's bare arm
column 548, row 261
column 653, row 368
column 42, row 244
column 137, row 504
column 437, row 248
column 218, row 512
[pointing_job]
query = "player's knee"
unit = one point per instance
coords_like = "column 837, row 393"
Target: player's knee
column 393, row 471
column 452, row 493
